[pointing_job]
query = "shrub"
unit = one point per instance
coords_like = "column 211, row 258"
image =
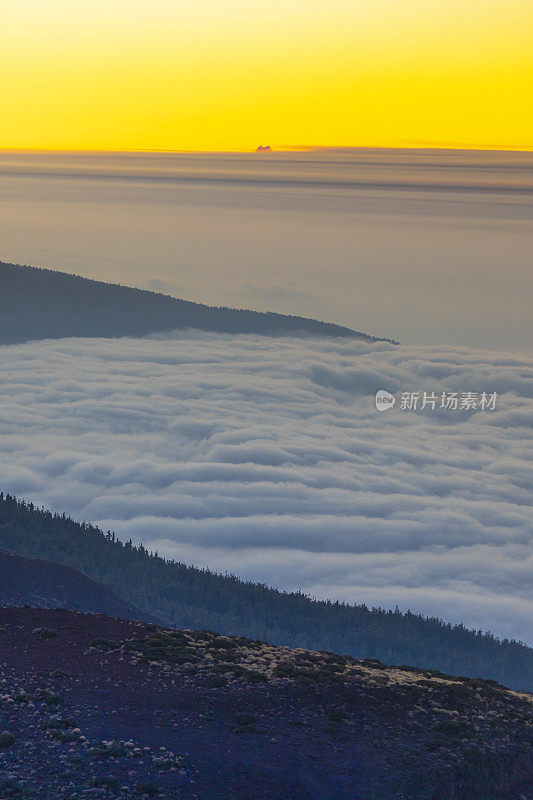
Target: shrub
column 46, row 633
column 215, row 682
column 13, row 789
column 221, row 644
column 151, row 789
column 245, row 719
column 57, row 724
column 49, row 697
column 374, row 663
column 109, row 750
column 6, row 739
column 162, row 646
column 254, row 676
column 109, row 783
column 334, row 714
column 22, row 697
column 104, row 644
column 59, row 673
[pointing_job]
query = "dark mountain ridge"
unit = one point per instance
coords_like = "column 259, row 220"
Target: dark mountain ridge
column 188, row 597
column 44, row 584
column 45, row 304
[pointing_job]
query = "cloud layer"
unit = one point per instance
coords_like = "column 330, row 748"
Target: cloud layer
column 267, row 457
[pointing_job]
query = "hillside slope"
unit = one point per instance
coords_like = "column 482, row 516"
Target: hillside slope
column 43, row 584
column 93, row 707
column 188, row 597
column 45, row 304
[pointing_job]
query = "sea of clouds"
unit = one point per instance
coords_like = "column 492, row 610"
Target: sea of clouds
column 267, row 457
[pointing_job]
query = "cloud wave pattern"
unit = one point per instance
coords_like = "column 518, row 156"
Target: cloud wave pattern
column 266, row 457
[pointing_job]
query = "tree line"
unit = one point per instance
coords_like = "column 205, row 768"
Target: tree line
column 190, row 597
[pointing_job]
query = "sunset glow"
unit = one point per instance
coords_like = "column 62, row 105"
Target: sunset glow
column 229, row 74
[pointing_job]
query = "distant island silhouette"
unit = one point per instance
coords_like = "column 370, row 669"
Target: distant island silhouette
column 44, row 304
column 262, row 148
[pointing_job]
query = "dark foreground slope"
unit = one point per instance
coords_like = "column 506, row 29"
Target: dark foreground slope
column 43, row 584
column 44, row 304
column 192, row 598
column 94, row 707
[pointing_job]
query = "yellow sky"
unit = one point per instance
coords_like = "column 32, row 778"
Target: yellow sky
column 230, row 74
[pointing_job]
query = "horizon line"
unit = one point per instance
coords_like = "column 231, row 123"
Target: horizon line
column 280, row 149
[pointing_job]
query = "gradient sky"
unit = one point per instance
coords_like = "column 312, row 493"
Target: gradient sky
column 230, row 74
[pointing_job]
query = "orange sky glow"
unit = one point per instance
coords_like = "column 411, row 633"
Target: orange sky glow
column 230, row 74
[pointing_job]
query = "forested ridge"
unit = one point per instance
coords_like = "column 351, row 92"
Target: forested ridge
column 189, row 597
column 45, row 304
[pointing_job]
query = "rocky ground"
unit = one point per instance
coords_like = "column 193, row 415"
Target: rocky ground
column 94, row 707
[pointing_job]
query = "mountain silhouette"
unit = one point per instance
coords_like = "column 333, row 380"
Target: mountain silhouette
column 44, row 584
column 44, row 304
